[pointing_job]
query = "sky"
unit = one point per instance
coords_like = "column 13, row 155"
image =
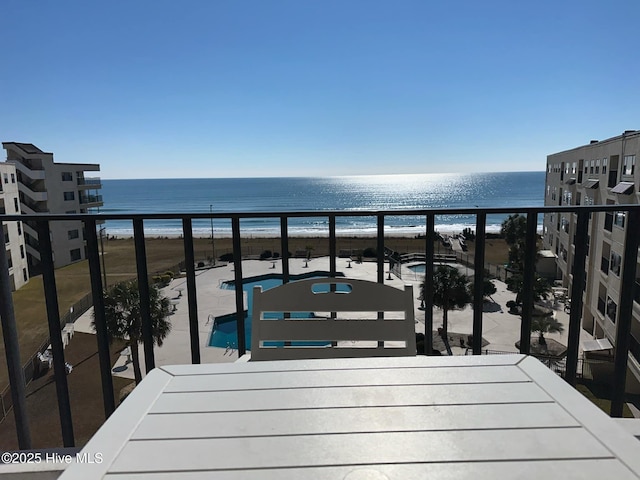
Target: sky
column 249, row 88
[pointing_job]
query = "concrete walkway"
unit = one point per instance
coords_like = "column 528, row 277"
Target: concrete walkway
column 500, row 328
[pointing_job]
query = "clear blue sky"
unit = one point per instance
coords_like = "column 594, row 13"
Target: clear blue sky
column 237, row 88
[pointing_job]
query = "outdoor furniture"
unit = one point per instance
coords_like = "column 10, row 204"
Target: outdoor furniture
column 489, row 417
column 361, row 334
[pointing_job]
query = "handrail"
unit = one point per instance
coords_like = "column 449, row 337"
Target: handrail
column 91, row 220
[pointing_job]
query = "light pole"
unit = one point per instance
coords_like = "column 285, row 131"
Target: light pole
column 213, row 248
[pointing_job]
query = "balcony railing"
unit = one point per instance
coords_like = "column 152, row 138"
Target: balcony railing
column 86, row 199
column 89, row 181
column 42, row 222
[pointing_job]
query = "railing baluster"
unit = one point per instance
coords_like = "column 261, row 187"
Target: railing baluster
column 380, row 247
column 102, row 336
column 427, row 297
column 55, row 336
column 12, row 352
column 332, row 247
column 143, row 289
column 284, row 245
column 237, row 267
column 189, row 260
column 527, row 282
column 625, row 311
column 478, row 284
column 575, row 316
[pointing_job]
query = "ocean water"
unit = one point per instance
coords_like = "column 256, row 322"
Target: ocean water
column 347, row 193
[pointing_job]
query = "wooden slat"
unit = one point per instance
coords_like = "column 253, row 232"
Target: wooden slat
column 579, row 469
column 349, row 396
column 311, row 365
column 357, row 449
column 347, row 378
column 346, row 420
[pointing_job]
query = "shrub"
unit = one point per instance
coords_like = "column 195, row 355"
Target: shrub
column 266, row 254
column 369, row 252
column 226, row 257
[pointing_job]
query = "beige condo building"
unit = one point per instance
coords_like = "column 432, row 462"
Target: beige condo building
column 12, row 231
column 601, row 173
column 45, row 186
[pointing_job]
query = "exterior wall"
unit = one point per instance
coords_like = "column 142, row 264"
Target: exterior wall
column 571, row 177
column 47, row 186
column 15, row 247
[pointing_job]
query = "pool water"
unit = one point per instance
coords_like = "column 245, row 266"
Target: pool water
column 224, row 332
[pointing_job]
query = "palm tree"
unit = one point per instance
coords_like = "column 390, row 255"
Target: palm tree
column 450, row 292
column 514, row 230
column 545, row 324
column 123, row 318
column 541, row 287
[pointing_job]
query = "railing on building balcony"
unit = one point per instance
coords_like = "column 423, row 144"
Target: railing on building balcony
column 43, row 222
column 89, row 181
column 84, row 199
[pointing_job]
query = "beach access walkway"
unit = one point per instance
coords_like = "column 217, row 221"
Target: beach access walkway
column 500, row 328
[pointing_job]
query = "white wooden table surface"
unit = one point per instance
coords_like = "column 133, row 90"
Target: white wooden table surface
column 483, row 417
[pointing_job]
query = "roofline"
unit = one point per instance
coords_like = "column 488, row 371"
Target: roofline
column 17, row 144
column 626, row 134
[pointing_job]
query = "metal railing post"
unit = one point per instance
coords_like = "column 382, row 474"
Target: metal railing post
column 582, row 228
column 143, row 289
column 284, row 242
column 531, row 252
column 55, row 337
column 12, row 352
column 189, row 260
column 427, row 296
column 102, row 336
column 237, row 267
column 478, row 283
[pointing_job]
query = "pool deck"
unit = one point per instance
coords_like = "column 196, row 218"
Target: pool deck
column 500, row 328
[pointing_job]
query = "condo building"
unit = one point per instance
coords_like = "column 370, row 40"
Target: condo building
column 45, row 186
column 14, row 243
column 601, row 173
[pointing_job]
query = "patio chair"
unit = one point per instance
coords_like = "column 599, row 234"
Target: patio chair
column 331, row 318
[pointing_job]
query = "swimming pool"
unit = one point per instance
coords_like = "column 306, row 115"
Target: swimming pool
column 418, row 268
column 224, row 331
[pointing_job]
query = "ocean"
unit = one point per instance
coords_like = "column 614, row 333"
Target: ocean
column 346, row 193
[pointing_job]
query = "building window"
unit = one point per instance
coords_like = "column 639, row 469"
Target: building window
column 573, row 168
column 628, row 164
column 75, row 254
column 618, row 218
column 612, row 309
column 13, row 178
column 6, row 234
column 67, row 176
column 16, row 206
column 615, row 263
column 9, row 259
column 70, row 211
column 19, row 228
column 6, row 178
column 24, row 274
column 591, row 166
column 563, row 252
column 21, row 251
column 604, row 165
column 598, row 166
column 69, row 196
column 72, row 234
